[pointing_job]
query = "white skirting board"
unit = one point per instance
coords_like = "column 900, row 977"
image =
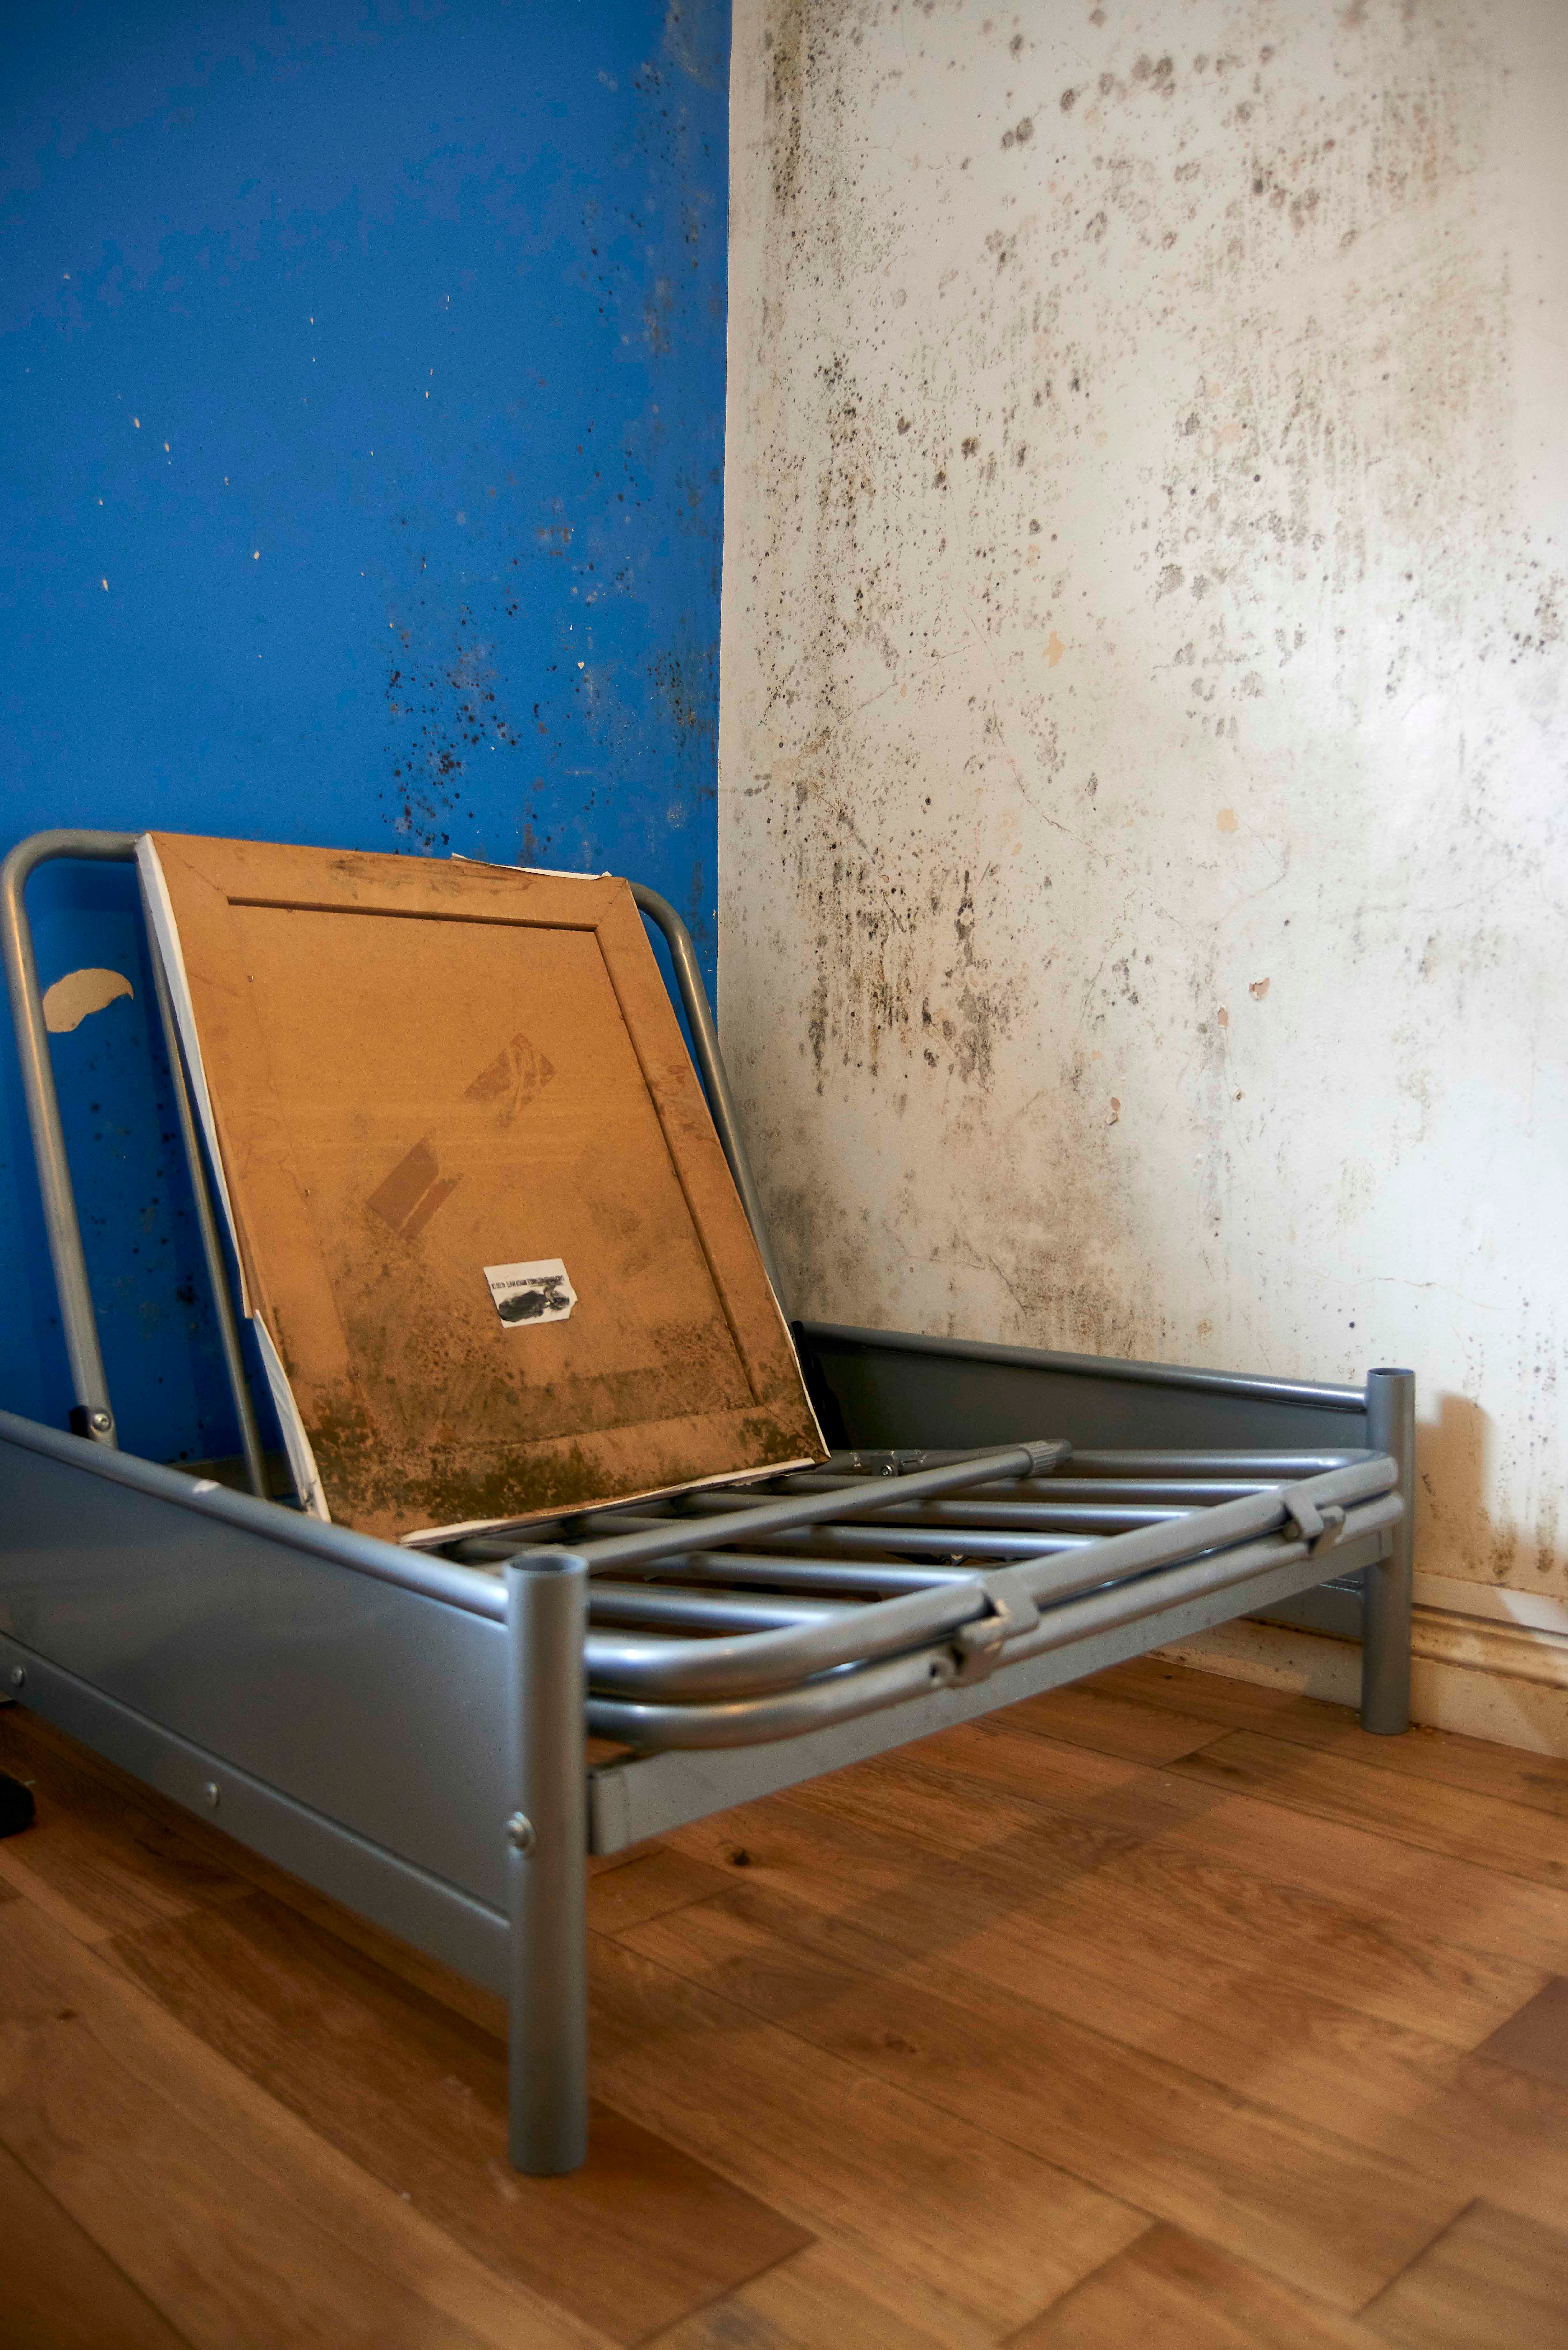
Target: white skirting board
column 1487, row 1676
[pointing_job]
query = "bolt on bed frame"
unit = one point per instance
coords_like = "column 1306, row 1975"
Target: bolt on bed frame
column 298, row 1678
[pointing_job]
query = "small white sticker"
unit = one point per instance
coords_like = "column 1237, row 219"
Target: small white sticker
column 541, row 1291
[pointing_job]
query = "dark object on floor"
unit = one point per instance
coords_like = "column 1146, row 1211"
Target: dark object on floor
column 1535, row 2040
column 16, row 1806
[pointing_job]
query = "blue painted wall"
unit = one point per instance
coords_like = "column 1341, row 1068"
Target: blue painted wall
column 360, row 484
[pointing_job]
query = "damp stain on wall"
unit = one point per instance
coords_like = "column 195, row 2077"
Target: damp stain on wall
column 1143, row 705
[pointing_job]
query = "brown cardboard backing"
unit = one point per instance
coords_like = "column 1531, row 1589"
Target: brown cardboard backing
column 418, row 1070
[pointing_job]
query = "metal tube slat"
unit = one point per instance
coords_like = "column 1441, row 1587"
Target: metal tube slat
column 841, row 1696
column 867, row 1578
column 917, row 1542
column 1042, row 1517
column 748, row 1665
column 814, row 1509
column 707, row 1611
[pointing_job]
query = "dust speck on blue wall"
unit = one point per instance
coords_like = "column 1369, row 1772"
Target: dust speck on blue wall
column 362, row 471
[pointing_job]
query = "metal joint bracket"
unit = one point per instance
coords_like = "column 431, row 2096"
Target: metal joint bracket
column 979, row 1645
column 1321, row 1529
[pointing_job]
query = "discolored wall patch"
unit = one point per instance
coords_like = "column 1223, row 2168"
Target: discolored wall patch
column 1143, row 706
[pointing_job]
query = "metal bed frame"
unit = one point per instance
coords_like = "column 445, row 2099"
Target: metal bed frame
column 406, row 1729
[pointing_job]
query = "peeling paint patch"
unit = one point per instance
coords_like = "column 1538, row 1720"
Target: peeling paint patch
column 79, row 995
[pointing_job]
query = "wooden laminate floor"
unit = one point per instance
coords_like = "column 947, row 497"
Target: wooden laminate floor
column 1164, row 2011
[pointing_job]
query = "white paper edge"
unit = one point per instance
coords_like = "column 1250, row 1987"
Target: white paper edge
column 544, row 872
column 166, row 935
column 296, row 1442
column 164, row 939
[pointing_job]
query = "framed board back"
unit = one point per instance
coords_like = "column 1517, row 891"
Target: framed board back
column 480, row 1212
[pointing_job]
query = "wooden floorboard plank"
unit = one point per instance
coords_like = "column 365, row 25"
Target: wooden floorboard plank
column 1539, row 1782
column 940, row 1794
column 974, row 2225
column 983, row 1783
column 822, row 2299
column 1282, row 1998
column 1491, row 2281
column 101, row 1857
column 1297, row 2198
column 1121, row 1912
column 58, row 2290
column 651, row 1881
column 874, row 1835
column 1165, row 1916
column 1172, row 2291
column 1087, row 1715
column 1219, row 1697
column 416, row 2096
column 1460, row 2125
column 1508, row 1838
column 1461, row 1903
column 936, row 2034
column 234, row 2221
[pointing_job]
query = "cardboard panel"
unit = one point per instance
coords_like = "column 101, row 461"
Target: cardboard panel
column 477, row 1196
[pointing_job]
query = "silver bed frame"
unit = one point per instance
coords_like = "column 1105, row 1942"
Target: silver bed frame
column 406, row 1731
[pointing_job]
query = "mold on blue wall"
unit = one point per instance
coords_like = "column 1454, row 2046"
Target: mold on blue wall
column 360, row 484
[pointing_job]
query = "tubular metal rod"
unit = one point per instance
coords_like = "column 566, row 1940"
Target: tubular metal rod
column 786, row 1713
column 711, row 1069
column 1182, row 1490
column 804, row 1508
column 747, row 1665
column 841, row 1696
column 883, row 1576
column 872, row 1541
column 681, row 1672
column 916, row 1541
column 1126, row 1601
column 547, row 1838
column 212, row 1246
column 707, row 1611
column 966, row 1510
column 1385, row 1612
column 1255, row 1468
column 79, row 1323
column 1175, row 1498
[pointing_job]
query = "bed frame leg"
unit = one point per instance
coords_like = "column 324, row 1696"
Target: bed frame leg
column 1386, row 1616
column 548, row 2092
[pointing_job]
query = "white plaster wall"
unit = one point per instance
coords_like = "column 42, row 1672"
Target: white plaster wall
column 1143, row 854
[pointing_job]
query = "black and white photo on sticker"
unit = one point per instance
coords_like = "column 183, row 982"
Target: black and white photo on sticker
column 539, row 1292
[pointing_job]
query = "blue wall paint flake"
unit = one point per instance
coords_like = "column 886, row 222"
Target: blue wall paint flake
column 361, row 484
